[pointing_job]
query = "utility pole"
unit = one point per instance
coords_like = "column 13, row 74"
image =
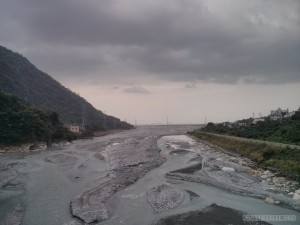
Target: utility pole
column 104, row 120
column 83, row 116
column 83, row 122
column 205, row 121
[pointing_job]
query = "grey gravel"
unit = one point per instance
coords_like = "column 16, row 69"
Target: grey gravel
column 15, row 216
column 164, row 197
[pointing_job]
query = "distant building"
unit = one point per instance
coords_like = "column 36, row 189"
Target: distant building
column 227, row 124
column 74, row 128
column 256, row 120
column 280, row 114
column 244, row 122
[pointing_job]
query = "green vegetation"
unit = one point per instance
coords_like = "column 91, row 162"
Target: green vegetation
column 284, row 160
column 22, row 79
column 287, row 131
column 21, row 123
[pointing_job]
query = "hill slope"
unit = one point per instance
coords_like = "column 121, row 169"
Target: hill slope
column 21, row 123
column 21, row 78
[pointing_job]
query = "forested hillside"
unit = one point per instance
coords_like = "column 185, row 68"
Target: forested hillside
column 21, row 123
column 21, row 78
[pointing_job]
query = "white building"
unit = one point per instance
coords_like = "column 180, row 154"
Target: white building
column 74, row 128
column 256, row 120
column 280, row 114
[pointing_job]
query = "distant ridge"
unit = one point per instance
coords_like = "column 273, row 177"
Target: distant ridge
column 21, row 78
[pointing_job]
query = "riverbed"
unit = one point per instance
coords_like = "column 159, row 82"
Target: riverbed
column 156, row 169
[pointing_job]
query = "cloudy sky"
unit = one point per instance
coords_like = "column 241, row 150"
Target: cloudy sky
column 176, row 59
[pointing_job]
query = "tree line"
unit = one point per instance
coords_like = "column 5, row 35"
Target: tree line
column 23, row 123
column 285, row 131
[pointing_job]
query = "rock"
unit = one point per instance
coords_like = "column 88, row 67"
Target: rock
column 296, row 196
column 233, row 159
column 277, row 202
column 279, row 180
column 38, row 147
column 264, row 177
column 269, row 200
column 164, row 197
column 298, row 191
column 99, row 156
column 95, row 212
column 228, row 169
column 267, row 174
column 252, row 171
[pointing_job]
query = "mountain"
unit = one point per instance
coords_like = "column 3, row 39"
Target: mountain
column 21, row 78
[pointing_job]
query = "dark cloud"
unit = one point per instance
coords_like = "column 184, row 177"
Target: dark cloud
column 136, row 90
column 180, row 40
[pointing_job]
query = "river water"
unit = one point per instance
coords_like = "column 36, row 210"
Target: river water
column 44, row 183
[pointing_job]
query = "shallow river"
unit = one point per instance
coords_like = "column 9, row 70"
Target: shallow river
column 44, row 183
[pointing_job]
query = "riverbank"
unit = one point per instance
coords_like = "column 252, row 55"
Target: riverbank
column 267, row 175
column 283, row 161
column 40, row 146
column 28, row 147
column 31, row 147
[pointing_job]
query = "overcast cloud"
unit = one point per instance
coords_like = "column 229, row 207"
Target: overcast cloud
column 178, row 40
column 134, row 43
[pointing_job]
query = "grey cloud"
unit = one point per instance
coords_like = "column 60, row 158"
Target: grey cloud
column 136, row 90
column 210, row 41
